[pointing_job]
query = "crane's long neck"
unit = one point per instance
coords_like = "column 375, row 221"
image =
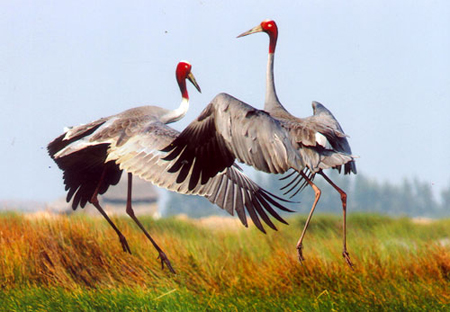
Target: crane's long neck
column 272, row 103
column 178, row 113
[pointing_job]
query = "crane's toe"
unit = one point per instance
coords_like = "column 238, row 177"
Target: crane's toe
column 164, row 260
column 124, row 243
column 347, row 258
column 300, row 253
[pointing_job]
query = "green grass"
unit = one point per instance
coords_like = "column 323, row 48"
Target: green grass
column 76, row 263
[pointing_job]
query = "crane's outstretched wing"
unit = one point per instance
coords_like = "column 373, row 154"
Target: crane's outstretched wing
column 228, row 129
column 229, row 188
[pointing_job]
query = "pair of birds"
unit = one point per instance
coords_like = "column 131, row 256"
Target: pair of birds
column 201, row 159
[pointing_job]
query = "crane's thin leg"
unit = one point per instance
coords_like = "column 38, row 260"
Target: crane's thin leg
column 94, row 201
column 317, row 196
column 130, row 212
column 344, row 209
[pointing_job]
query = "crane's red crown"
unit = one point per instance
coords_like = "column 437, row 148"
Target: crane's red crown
column 270, row 28
column 183, row 70
column 182, row 73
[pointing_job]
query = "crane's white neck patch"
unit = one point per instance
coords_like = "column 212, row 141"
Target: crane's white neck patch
column 178, row 113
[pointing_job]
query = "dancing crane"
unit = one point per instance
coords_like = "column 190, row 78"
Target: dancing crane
column 93, row 156
column 335, row 139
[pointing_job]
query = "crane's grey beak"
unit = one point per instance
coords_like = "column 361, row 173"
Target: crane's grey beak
column 191, row 78
column 251, row 31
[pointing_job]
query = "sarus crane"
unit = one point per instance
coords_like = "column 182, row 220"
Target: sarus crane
column 93, row 156
column 229, row 129
column 321, row 130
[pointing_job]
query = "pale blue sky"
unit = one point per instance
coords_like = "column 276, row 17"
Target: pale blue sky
column 382, row 68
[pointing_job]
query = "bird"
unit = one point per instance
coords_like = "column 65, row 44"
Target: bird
column 93, row 156
column 334, row 138
column 228, row 129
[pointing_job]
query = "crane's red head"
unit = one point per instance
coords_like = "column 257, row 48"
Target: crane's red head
column 182, row 73
column 270, row 28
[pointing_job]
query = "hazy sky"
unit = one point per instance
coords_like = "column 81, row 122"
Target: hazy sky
column 382, row 68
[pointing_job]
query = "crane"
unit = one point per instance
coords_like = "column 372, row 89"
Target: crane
column 229, row 129
column 335, row 140
column 93, row 156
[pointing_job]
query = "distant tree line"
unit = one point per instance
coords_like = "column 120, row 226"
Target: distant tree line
column 411, row 197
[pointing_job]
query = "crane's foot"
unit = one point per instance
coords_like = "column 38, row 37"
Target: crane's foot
column 347, row 259
column 124, row 243
column 164, row 260
column 300, row 253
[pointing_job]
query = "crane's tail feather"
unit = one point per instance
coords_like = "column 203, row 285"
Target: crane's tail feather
column 298, row 183
column 287, row 176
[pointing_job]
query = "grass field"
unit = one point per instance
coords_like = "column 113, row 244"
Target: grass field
column 76, row 263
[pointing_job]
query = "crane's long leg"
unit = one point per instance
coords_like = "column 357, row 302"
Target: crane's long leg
column 344, row 209
column 95, row 202
column 130, row 212
column 317, row 197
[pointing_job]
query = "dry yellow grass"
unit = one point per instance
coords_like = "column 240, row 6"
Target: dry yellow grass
column 397, row 262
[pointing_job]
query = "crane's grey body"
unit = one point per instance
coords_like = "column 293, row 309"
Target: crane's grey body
column 319, row 136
